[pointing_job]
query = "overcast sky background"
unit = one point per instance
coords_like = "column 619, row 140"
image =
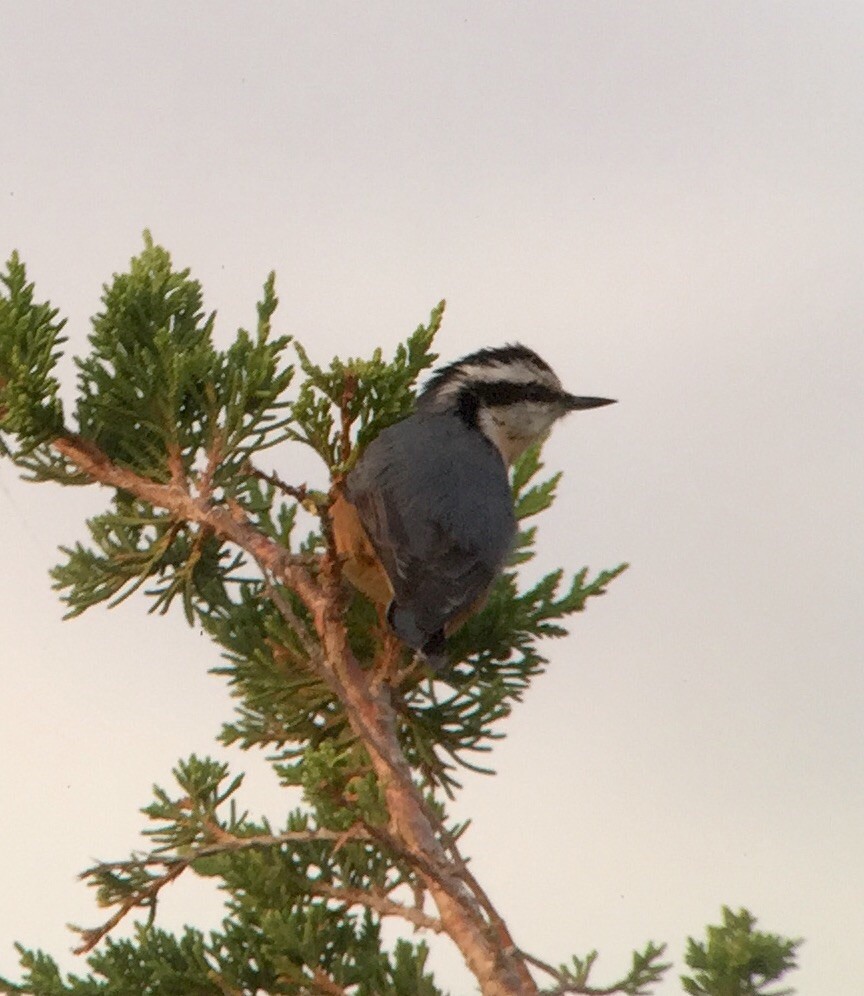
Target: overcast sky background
column 666, row 200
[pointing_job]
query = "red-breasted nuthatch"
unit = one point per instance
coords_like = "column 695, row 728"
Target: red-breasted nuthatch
column 425, row 521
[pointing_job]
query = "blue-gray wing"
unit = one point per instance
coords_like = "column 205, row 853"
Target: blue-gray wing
column 434, row 498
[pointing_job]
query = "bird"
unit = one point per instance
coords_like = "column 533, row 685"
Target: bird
column 424, row 521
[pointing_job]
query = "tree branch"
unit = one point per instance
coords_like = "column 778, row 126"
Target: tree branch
column 380, row 903
column 499, row 969
column 327, row 986
column 142, row 897
column 569, row 984
column 229, row 843
column 298, row 492
column 176, row 865
column 229, row 523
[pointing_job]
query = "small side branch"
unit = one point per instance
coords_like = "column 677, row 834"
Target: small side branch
column 141, row 898
column 349, row 390
column 229, row 843
column 146, row 896
column 326, row 985
column 299, row 493
column 379, row 903
column 646, row 970
column 225, row 522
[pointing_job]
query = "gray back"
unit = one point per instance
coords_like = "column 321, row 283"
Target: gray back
column 434, row 497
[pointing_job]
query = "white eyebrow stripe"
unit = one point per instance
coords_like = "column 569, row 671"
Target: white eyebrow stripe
column 490, row 373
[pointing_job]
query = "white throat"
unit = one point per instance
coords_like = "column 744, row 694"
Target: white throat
column 512, row 429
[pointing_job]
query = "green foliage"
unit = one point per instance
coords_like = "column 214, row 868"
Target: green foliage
column 738, row 960
column 155, row 389
column 134, row 543
column 142, row 388
column 154, row 393
column 330, row 402
column 286, row 913
column 159, row 399
column 646, row 969
column 447, row 722
column 278, row 959
column 30, row 407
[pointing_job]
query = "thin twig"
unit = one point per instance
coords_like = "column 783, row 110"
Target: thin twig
column 299, row 492
column 297, row 625
column 204, row 482
column 175, row 866
column 229, row 524
column 91, row 937
column 542, row 965
column 328, row 986
column 229, row 844
column 577, row 987
column 380, row 903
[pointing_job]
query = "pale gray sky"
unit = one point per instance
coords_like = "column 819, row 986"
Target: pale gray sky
column 666, row 201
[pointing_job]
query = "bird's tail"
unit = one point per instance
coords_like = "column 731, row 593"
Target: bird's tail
column 430, row 646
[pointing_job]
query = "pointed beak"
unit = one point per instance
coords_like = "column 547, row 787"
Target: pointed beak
column 574, row 403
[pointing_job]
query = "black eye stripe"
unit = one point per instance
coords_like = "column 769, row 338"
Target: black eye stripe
column 499, row 393
column 508, row 392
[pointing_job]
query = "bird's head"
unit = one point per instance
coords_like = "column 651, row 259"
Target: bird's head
column 508, row 393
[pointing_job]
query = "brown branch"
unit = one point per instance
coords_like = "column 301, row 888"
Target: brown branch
column 464, row 911
column 349, row 390
column 495, row 918
column 328, row 986
column 222, row 983
column 175, row 465
column 230, row 524
column 204, row 482
column 143, row 897
column 324, row 985
column 499, row 969
column 227, row 844
column 380, row 903
column 230, row 843
column 299, row 492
